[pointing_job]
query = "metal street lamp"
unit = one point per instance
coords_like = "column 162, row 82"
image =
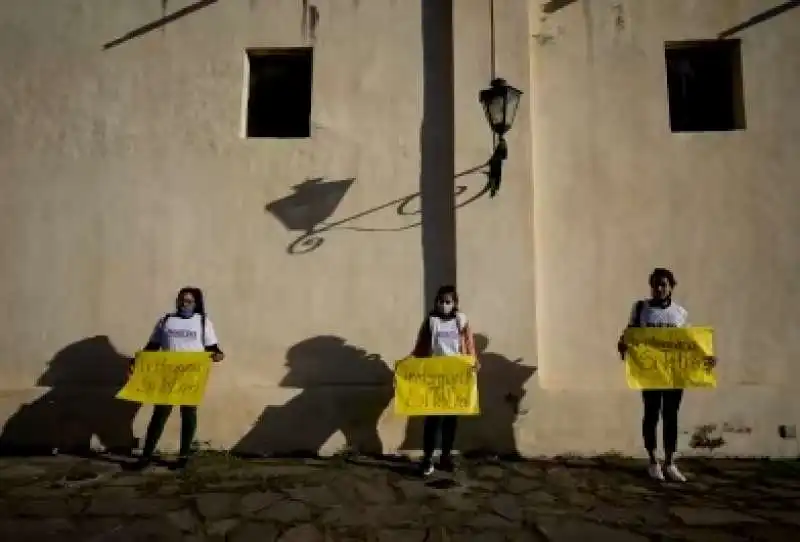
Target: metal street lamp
column 500, row 102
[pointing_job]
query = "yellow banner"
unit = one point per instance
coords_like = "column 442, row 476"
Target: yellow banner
column 168, row 378
column 437, row 386
column 669, row 358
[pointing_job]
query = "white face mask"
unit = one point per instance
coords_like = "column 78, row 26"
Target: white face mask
column 446, row 308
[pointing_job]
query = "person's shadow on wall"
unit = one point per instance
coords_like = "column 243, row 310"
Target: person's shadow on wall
column 501, row 388
column 84, row 379
column 344, row 389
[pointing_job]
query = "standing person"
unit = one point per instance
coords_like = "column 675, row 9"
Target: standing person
column 445, row 332
column 660, row 311
column 188, row 329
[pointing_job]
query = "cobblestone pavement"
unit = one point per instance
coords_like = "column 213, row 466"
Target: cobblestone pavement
column 217, row 498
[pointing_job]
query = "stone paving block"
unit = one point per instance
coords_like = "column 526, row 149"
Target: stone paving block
column 414, row 490
column 527, row 535
column 214, row 506
column 710, row 517
column 459, row 501
column 398, row 515
column 507, row 507
column 490, row 472
column 184, row 520
column 780, row 516
column 519, row 485
column 478, row 536
column 375, row 492
column 21, row 472
column 770, row 533
column 629, row 516
column 582, row 531
column 345, row 517
column 257, row 501
column 250, row 531
column 340, row 501
column 402, row 535
column 133, row 506
column 286, row 512
column 34, row 530
column 221, row 527
column 302, row 533
column 698, row 534
column 490, row 521
column 146, row 530
column 315, row 495
column 46, row 508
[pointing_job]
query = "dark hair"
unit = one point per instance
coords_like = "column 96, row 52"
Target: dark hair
column 197, row 293
column 443, row 291
column 662, row 273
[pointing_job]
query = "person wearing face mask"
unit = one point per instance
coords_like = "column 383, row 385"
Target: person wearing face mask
column 660, row 311
column 445, row 332
column 188, row 329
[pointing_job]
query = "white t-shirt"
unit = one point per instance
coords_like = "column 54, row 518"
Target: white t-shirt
column 672, row 316
column 178, row 334
column 446, row 335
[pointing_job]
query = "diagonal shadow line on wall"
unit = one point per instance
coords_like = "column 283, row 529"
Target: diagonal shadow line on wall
column 556, row 5
column 760, row 18
column 163, row 21
column 312, row 239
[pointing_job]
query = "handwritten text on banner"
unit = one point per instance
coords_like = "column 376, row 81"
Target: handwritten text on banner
column 168, row 378
column 669, row 358
column 436, row 386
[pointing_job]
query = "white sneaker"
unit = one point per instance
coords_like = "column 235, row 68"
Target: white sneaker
column 655, row 472
column 674, row 473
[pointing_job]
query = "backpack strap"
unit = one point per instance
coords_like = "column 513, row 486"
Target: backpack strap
column 459, row 324
column 163, row 323
column 430, row 333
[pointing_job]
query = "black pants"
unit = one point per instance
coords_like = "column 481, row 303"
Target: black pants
column 662, row 404
column 433, row 427
column 159, row 420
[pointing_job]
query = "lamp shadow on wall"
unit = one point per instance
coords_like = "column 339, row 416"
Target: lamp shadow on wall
column 315, row 200
column 343, row 389
column 84, row 379
column 501, row 389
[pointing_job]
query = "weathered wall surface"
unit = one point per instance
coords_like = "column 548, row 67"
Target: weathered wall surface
column 125, row 176
column 617, row 194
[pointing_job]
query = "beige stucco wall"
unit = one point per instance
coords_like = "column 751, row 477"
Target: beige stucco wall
column 616, row 194
column 125, row 176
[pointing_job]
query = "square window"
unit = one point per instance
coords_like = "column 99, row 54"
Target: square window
column 704, row 85
column 279, row 93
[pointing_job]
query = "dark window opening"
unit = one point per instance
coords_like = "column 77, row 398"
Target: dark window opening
column 704, row 84
column 279, row 93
